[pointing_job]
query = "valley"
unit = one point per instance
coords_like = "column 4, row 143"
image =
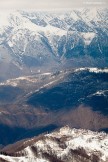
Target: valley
column 53, row 73
column 76, row 97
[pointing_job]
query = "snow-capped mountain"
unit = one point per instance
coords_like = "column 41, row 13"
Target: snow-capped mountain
column 30, row 40
column 53, row 72
column 64, row 145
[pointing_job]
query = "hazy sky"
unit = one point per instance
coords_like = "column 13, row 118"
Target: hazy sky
column 50, row 4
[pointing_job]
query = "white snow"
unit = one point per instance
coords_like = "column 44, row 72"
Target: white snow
column 53, row 30
column 16, row 81
column 23, row 159
column 99, row 93
column 46, row 74
column 29, row 152
column 92, row 142
column 93, row 70
column 23, row 31
column 74, row 16
column 96, row 70
column 88, row 37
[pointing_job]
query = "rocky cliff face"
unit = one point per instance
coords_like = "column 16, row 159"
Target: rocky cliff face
column 30, row 41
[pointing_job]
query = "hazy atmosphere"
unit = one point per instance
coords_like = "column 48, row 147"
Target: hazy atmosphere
column 50, row 4
column 53, row 80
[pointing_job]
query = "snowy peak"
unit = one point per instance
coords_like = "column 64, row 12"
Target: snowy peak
column 35, row 39
column 92, row 142
column 64, row 145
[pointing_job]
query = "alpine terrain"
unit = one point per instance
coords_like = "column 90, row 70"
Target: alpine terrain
column 53, row 73
column 35, row 41
column 64, row 145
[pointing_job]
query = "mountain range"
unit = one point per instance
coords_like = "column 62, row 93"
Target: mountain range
column 33, row 41
column 54, row 72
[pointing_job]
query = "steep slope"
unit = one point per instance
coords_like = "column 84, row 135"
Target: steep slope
column 81, row 86
column 30, row 41
column 77, row 97
column 64, row 145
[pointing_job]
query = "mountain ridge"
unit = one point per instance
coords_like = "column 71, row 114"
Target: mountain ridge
column 31, row 40
column 77, row 97
column 63, row 145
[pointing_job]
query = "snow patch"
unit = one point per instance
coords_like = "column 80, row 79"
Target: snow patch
column 88, row 37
